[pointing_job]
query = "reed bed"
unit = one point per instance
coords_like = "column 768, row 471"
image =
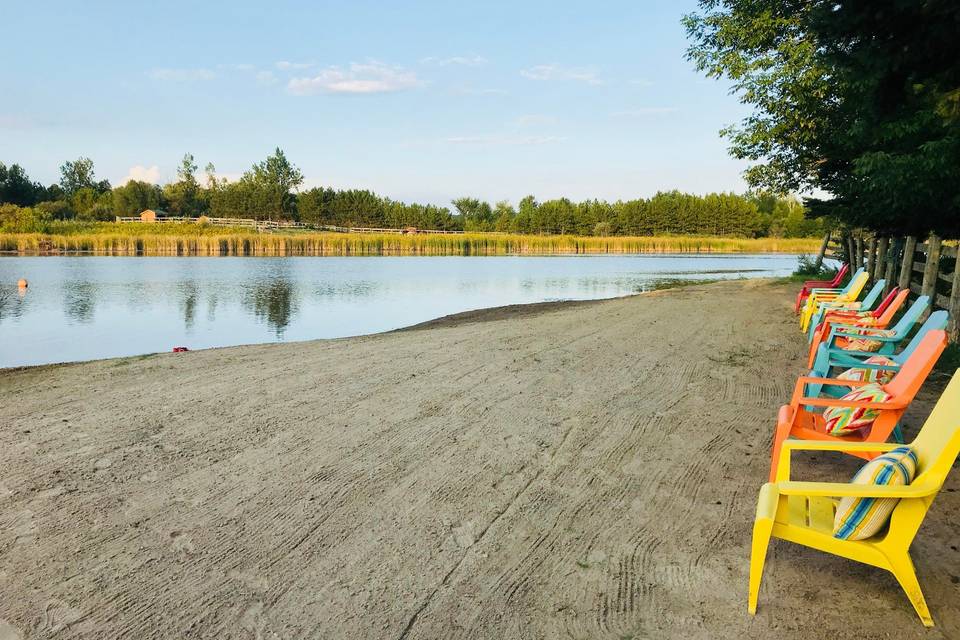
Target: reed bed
column 245, row 243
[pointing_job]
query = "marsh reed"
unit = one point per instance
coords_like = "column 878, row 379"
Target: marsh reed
column 188, row 241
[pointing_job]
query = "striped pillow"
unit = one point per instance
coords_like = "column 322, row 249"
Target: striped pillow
column 880, row 376
column 864, row 343
column 842, row 421
column 861, row 518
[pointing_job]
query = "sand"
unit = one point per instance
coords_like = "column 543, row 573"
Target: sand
column 559, row 471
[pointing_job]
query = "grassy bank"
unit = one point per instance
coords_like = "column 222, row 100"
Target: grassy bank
column 186, row 240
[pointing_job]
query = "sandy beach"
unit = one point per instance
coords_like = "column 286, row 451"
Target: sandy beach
column 580, row 470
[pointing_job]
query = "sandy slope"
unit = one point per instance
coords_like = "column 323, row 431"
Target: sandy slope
column 584, row 471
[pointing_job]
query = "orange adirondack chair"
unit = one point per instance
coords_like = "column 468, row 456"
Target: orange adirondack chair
column 795, row 420
column 823, row 330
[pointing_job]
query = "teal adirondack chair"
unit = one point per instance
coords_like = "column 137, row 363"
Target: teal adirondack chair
column 889, row 343
column 866, row 304
column 829, row 357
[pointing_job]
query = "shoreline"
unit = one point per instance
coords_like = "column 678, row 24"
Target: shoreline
column 470, row 316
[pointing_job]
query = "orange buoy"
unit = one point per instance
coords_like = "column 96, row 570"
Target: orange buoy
column 22, row 283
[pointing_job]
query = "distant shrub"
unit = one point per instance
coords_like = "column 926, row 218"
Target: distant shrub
column 14, row 219
column 57, row 209
column 807, row 267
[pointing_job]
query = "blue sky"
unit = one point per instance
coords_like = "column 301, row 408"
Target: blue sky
column 422, row 101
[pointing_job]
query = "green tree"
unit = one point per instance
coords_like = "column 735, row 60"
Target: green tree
column 476, row 214
column 135, row 196
column 17, row 188
column 183, row 196
column 279, row 178
column 77, row 175
column 855, row 98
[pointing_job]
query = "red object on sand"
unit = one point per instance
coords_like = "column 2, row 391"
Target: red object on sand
column 180, row 349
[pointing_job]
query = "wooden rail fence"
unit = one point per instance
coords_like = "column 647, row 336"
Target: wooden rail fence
column 270, row 225
column 925, row 268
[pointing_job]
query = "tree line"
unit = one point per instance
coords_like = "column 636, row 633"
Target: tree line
column 857, row 99
column 272, row 190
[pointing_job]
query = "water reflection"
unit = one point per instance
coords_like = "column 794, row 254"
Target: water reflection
column 11, row 302
column 80, row 308
column 188, row 303
column 273, row 301
column 80, row 301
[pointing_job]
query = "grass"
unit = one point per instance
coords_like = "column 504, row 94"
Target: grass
column 192, row 240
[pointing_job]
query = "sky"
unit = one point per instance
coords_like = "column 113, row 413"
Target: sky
column 418, row 101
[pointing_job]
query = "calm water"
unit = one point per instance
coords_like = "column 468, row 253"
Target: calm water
column 83, row 308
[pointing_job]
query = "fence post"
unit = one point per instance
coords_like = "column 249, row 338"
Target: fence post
column 852, row 253
column 931, row 269
column 906, row 263
column 893, row 253
column 955, row 302
column 823, row 250
column 872, row 258
column 881, row 265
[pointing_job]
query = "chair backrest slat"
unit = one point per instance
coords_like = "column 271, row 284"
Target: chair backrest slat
column 908, row 319
column 937, row 320
column 872, row 295
column 885, row 304
column 915, row 370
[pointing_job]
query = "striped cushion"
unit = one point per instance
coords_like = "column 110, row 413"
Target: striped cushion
column 861, row 518
column 863, row 344
column 880, row 376
column 842, row 421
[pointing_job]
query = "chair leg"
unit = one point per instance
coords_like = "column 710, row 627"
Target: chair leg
column 898, row 434
column 781, row 433
column 902, row 567
column 762, row 529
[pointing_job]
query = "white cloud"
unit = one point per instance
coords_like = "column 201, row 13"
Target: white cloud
column 500, row 140
column 467, row 61
column 368, row 77
column 141, row 173
column 643, row 112
column 286, row 65
column 266, row 77
column 556, row 72
column 182, row 75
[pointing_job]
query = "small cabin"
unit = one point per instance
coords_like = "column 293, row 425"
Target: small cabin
column 410, row 230
column 151, row 215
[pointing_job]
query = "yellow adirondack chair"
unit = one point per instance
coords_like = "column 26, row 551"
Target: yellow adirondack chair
column 803, row 512
column 819, row 298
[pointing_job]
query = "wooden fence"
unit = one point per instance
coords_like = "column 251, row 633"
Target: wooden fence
column 270, row 225
column 906, row 263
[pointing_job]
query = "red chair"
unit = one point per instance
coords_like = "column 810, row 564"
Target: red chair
column 820, row 284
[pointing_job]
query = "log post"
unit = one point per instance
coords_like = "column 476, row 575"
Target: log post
column 858, row 247
column 906, row 263
column 823, row 250
column 852, row 253
column 881, row 265
column 893, row 254
column 955, row 302
column 872, row 259
column 931, row 270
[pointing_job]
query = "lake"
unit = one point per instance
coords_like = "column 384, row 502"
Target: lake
column 83, row 308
